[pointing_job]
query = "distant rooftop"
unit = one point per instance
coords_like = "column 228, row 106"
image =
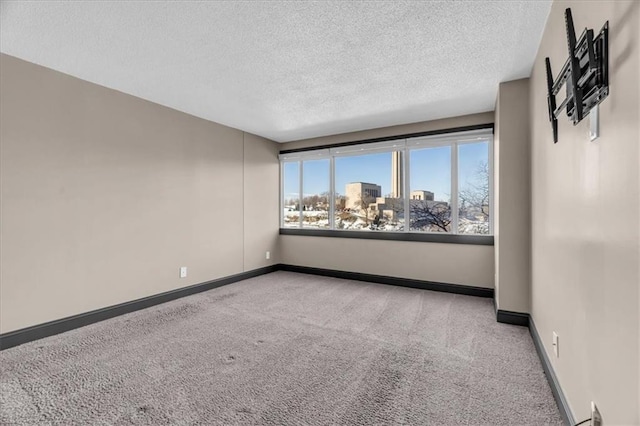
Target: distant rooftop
column 364, row 183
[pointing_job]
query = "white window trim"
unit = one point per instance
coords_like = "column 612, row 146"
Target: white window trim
column 405, row 146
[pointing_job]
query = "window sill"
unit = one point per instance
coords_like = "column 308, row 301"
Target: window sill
column 484, row 240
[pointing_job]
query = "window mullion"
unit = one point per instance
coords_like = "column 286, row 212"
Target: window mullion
column 300, row 196
column 332, row 192
column 281, row 194
column 454, row 188
column 406, row 189
column 491, row 180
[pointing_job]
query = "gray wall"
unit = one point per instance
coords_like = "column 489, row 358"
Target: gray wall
column 585, row 223
column 414, row 260
column 261, row 207
column 105, row 196
column 512, row 196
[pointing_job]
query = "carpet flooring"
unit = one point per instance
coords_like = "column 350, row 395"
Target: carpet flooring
column 285, row 349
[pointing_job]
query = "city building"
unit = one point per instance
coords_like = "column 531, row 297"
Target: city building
column 355, row 192
column 421, row 195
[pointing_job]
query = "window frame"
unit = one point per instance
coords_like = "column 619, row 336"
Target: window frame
column 403, row 144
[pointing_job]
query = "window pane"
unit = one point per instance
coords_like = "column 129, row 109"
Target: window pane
column 369, row 192
column 430, row 196
column 473, row 184
column 315, row 200
column 291, row 194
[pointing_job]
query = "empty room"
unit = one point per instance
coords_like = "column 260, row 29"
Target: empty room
column 320, row 213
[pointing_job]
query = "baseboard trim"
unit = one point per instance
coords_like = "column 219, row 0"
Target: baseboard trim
column 25, row 335
column 383, row 279
column 523, row 319
column 51, row 328
column 515, row 318
column 554, row 384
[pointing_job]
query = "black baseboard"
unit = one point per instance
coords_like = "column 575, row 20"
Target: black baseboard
column 383, row 279
column 518, row 318
column 515, row 318
column 25, row 335
column 18, row 337
column 563, row 405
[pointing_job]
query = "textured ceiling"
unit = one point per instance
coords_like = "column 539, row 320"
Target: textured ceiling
column 287, row 70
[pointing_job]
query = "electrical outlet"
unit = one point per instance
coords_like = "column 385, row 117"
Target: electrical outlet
column 267, row 255
column 556, row 349
column 596, row 418
column 183, row 272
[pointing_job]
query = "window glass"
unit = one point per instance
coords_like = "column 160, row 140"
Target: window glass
column 291, row 194
column 369, row 192
column 449, row 188
column 430, row 195
column 473, row 193
column 315, row 198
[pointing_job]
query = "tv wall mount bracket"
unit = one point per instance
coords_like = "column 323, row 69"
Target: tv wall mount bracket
column 585, row 74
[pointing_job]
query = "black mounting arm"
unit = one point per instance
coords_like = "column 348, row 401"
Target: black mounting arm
column 551, row 100
column 585, row 75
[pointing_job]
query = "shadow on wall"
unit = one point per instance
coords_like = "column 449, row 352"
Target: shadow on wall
column 624, row 28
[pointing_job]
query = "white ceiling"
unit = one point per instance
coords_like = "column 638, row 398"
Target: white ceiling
column 287, row 70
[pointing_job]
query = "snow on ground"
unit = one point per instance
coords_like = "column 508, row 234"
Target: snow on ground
column 320, row 219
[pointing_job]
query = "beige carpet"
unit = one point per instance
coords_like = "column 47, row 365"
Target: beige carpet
column 285, row 349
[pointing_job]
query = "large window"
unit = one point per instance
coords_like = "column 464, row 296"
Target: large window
column 366, row 198
column 291, row 195
column 474, row 198
column 315, row 193
column 443, row 183
column 430, row 196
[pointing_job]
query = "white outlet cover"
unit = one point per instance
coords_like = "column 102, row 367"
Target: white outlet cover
column 268, row 255
column 183, row 272
column 555, row 344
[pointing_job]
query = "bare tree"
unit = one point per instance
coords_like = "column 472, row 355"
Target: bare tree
column 324, row 200
column 295, row 202
column 430, row 214
column 475, row 195
column 364, row 205
column 317, row 201
column 395, row 206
